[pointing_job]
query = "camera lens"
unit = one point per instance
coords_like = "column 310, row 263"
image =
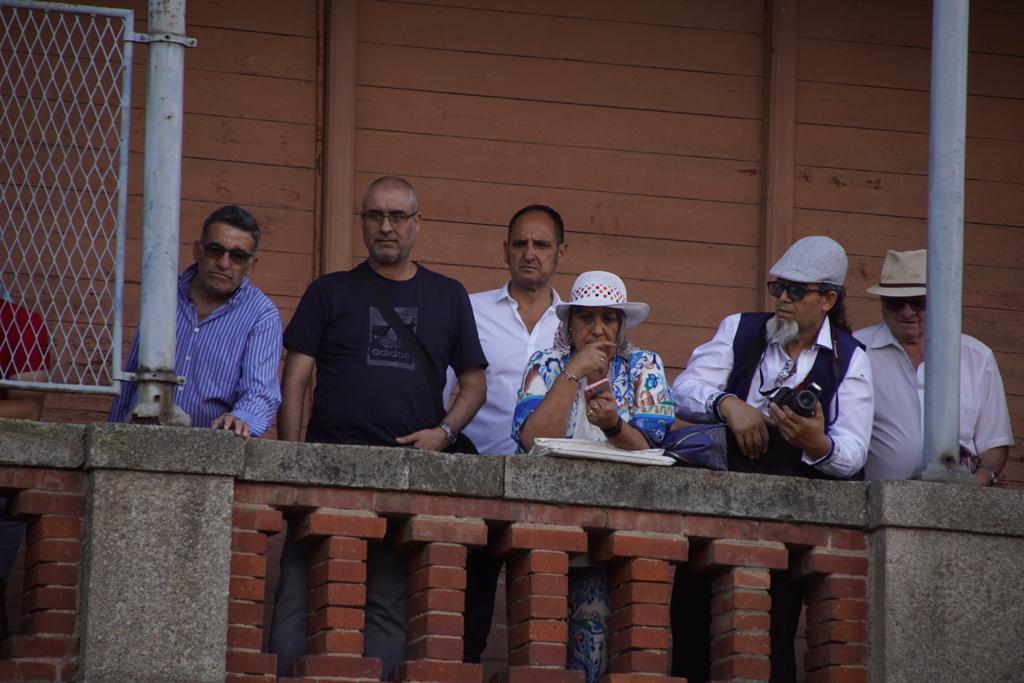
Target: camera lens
column 803, row 402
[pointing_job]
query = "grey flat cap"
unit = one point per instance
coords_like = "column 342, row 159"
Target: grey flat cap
column 812, row 259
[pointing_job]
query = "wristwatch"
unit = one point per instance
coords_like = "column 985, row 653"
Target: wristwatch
column 993, row 478
column 614, row 429
column 449, row 434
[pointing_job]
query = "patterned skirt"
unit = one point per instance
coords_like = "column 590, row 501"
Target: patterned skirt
column 588, row 621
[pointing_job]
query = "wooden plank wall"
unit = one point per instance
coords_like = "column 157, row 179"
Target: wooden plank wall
column 862, row 158
column 640, row 122
column 250, row 137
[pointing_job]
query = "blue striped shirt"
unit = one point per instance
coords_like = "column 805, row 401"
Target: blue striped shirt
column 229, row 359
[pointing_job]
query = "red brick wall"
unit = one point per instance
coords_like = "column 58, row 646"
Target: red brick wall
column 42, row 600
column 537, row 540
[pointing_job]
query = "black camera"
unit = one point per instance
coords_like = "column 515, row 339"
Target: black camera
column 800, row 402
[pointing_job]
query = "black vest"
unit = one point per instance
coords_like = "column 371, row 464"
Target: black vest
column 748, row 348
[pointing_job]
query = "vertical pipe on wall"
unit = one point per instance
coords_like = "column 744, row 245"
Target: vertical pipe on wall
column 780, row 138
column 161, row 215
column 946, row 147
column 340, row 136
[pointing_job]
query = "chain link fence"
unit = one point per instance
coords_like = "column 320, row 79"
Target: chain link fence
column 65, row 78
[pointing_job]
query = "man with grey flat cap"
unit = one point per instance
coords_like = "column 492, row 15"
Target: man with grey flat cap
column 793, row 389
column 895, row 348
column 806, row 341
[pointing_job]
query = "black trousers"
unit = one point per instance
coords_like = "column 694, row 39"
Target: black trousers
column 691, row 626
column 482, row 572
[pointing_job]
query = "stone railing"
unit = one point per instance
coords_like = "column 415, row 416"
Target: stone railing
column 901, row 579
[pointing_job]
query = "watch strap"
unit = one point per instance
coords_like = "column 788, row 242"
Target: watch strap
column 615, row 429
column 450, row 434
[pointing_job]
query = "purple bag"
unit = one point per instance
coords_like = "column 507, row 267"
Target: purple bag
column 699, row 446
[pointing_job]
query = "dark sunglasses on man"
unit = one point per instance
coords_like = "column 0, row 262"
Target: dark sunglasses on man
column 794, row 290
column 214, row 251
column 896, row 304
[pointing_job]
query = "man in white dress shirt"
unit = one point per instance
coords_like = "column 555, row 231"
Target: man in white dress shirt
column 896, row 350
column 513, row 322
column 732, row 379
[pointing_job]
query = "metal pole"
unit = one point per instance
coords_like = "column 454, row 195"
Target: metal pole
column 157, row 379
column 946, row 146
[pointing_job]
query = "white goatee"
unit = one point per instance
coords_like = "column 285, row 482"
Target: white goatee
column 782, row 331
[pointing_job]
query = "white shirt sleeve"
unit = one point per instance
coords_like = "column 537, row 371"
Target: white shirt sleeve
column 993, row 426
column 851, row 432
column 702, row 382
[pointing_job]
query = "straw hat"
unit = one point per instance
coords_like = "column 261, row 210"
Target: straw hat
column 903, row 274
column 812, row 259
column 600, row 288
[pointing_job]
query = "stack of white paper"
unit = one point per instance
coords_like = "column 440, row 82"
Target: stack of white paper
column 598, row 450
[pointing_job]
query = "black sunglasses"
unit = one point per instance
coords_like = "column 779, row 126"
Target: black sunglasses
column 214, row 251
column 794, row 290
column 896, row 304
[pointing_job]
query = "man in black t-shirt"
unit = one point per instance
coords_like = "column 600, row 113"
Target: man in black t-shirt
column 371, row 390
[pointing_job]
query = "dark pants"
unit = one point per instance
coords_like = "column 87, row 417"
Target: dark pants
column 482, row 572
column 288, row 626
column 787, row 601
column 12, row 533
column 691, row 626
column 386, row 616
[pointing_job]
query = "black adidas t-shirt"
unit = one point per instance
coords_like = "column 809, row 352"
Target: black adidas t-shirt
column 369, row 389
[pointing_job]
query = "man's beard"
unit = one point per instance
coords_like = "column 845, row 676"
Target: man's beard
column 782, row 331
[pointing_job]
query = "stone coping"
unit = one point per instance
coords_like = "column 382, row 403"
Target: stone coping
column 908, row 504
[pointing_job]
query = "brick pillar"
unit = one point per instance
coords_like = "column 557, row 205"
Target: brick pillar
column 246, row 661
column 740, row 605
column 836, row 597
column 437, row 586
column 47, row 649
column 740, row 618
column 337, row 594
column 639, row 585
column 538, row 584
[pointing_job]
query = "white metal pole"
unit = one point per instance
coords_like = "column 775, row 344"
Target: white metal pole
column 946, row 151
column 161, row 214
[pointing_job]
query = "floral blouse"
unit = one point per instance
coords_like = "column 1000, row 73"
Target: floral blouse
column 638, row 385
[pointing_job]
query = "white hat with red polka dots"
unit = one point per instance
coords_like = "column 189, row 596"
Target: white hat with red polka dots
column 600, row 288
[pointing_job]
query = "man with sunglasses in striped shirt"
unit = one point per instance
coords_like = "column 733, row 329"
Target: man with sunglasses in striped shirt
column 896, row 350
column 733, row 378
column 228, row 334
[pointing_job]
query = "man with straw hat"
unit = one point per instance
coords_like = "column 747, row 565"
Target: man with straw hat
column 896, row 350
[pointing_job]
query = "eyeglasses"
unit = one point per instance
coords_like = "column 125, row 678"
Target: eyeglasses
column 795, row 291
column 895, row 305
column 214, row 251
column 398, row 219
